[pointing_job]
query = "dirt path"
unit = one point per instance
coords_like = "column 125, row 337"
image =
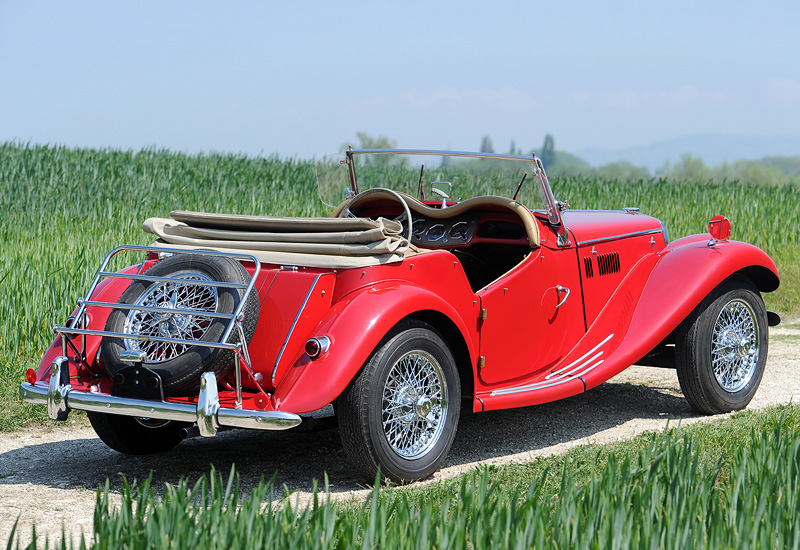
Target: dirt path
column 49, row 475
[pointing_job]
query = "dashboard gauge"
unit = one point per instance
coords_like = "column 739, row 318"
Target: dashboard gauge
column 459, row 230
column 418, row 228
column 435, row 232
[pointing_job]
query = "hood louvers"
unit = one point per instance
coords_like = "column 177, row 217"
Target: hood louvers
column 606, row 264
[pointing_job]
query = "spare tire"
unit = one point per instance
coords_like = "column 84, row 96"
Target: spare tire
column 180, row 365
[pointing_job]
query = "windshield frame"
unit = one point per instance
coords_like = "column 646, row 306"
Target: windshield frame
column 552, row 208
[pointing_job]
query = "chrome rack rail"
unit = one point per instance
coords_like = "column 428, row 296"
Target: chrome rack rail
column 209, row 415
column 79, row 322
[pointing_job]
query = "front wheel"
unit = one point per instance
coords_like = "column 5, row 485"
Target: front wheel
column 721, row 349
column 400, row 413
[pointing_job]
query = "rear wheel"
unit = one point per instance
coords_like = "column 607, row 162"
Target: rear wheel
column 721, row 349
column 400, row 413
column 136, row 436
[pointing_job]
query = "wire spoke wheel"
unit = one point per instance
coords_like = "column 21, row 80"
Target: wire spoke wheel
column 171, row 296
column 399, row 415
column 721, row 348
column 414, row 404
column 735, row 346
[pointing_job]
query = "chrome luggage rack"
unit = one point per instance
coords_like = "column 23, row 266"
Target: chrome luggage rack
column 60, row 397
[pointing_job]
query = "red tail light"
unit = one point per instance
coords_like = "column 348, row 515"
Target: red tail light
column 30, row 375
column 315, row 347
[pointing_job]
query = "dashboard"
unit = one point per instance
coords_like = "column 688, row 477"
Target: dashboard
column 432, row 232
column 463, row 230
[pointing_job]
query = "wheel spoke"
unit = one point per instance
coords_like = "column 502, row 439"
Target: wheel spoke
column 414, row 404
column 168, row 296
column 735, row 345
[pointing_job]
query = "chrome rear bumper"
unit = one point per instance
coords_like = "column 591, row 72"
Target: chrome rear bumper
column 61, row 398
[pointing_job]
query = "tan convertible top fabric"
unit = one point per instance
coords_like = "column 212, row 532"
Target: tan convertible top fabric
column 238, row 222
column 313, row 242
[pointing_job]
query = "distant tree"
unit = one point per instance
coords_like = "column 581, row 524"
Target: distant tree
column 547, row 153
column 756, row 173
column 689, row 168
column 486, row 145
column 366, row 141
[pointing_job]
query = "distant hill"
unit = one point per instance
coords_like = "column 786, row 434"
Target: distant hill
column 714, row 149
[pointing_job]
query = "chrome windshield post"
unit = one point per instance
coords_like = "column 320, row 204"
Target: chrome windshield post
column 553, row 207
column 351, row 167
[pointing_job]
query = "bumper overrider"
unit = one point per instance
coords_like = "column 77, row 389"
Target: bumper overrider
column 61, row 398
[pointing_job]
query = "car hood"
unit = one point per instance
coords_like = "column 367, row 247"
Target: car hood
column 590, row 226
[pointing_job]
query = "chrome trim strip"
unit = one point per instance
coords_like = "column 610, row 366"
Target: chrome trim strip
column 543, row 385
column 291, row 329
column 61, row 399
column 563, row 375
column 624, row 236
column 582, row 358
column 558, row 375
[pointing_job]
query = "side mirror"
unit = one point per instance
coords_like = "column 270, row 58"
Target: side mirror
column 720, row 229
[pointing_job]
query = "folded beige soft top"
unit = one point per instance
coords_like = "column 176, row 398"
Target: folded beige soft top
column 312, row 242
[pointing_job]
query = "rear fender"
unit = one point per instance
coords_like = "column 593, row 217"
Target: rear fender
column 108, row 290
column 685, row 273
column 356, row 325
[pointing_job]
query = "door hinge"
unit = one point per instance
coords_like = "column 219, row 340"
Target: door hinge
column 481, row 362
column 484, row 314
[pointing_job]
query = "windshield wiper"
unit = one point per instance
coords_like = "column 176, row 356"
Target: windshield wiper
column 421, row 186
column 524, row 175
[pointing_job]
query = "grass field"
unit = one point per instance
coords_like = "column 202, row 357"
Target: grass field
column 726, row 484
column 64, row 209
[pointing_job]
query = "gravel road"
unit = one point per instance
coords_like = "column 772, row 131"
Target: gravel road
column 49, row 474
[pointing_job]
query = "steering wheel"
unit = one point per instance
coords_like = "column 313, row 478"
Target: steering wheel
column 381, row 191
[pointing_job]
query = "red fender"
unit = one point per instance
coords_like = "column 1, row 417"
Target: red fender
column 356, row 326
column 677, row 286
column 108, row 290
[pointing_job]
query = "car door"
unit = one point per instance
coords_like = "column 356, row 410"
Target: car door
column 530, row 317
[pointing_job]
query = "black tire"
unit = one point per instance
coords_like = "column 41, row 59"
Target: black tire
column 431, row 405
column 180, row 366
column 136, row 436
column 721, row 348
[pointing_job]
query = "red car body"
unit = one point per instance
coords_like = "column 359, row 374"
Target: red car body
column 600, row 291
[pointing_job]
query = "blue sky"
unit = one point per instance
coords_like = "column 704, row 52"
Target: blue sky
column 301, row 78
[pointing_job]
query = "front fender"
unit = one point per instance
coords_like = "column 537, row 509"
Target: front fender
column 356, row 325
column 684, row 273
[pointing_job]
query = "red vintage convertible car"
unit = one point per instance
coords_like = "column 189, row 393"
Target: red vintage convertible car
column 441, row 281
